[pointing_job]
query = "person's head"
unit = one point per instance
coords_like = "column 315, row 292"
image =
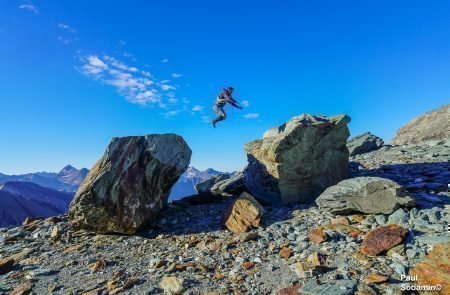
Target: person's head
column 230, row 89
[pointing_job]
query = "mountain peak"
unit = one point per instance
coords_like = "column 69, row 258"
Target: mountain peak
column 68, row 168
column 212, row 171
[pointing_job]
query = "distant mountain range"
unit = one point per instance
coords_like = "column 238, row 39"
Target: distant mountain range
column 185, row 185
column 19, row 200
column 44, row 194
column 68, row 179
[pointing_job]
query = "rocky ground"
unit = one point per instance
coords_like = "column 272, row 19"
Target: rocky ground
column 188, row 250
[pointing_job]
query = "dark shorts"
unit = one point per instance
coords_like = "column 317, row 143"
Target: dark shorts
column 218, row 109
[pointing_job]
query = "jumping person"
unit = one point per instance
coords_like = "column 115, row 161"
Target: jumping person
column 221, row 101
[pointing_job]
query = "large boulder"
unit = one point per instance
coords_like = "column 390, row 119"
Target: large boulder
column 298, row 160
column 364, row 143
column 371, row 195
column 433, row 125
column 130, row 183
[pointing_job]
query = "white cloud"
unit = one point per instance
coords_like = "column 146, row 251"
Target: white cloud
column 130, row 56
column 147, row 74
column 197, row 108
column 136, row 86
column 171, row 114
column 175, row 75
column 245, row 103
column 165, row 60
column 67, row 28
column 67, row 41
column 29, row 7
column 166, row 87
column 251, row 116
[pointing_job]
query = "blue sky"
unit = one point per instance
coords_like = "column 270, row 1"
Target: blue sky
column 76, row 73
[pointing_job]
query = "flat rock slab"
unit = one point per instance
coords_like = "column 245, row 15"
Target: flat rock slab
column 370, row 195
column 205, row 186
column 232, row 186
column 339, row 287
column 130, row 184
column 382, row 239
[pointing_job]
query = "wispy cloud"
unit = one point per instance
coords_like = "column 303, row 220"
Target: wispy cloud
column 197, row 108
column 251, row 116
column 67, row 41
column 245, row 103
column 29, row 7
column 67, row 28
column 164, row 60
column 136, row 86
column 175, row 75
column 171, row 114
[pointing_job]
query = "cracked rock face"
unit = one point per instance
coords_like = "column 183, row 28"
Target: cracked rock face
column 296, row 161
column 372, row 195
column 130, row 183
column 243, row 214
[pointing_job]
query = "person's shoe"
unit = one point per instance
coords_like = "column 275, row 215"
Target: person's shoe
column 213, row 122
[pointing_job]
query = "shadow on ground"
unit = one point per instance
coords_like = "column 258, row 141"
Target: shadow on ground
column 182, row 218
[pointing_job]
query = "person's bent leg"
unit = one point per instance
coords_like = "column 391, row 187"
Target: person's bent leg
column 222, row 116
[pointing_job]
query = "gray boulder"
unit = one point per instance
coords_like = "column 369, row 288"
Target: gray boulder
column 233, row 186
column 130, row 184
column 364, row 143
column 205, row 186
column 371, row 195
column 298, row 160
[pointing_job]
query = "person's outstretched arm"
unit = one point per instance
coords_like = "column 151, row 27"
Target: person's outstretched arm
column 235, row 104
column 232, row 101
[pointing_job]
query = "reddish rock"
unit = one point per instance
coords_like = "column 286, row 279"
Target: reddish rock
column 99, row 264
column 6, row 265
column 343, row 229
column 292, row 290
column 286, row 252
column 382, row 239
column 244, row 213
column 248, row 265
column 342, row 220
column 435, row 269
column 375, row 278
column 317, row 235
